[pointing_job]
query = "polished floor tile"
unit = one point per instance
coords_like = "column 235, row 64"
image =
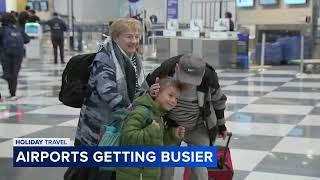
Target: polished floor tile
column 226, row 82
column 41, row 74
column 240, row 175
column 53, row 93
column 305, row 131
column 281, row 72
column 297, row 89
column 315, row 111
column 6, row 149
column 22, row 107
column 54, row 132
column 71, row 123
column 258, row 83
column 306, row 80
column 22, row 93
column 41, row 78
column 277, row 109
column 40, row 87
column 230, row 78
column 249, row 88
column 311, row 120
column 287, row 163
column 294, row 95
column 57, row 109
column 241, row 161
column 234, row 107
column 236, row 75
column 274, row 176
column 241, row 99
column 4, row 139
column 302, row 84
column 251, row 142
column 243, row 93
column 268, row 79
column 37, row 101
column 298, row 145
column 275, row 74
column 286, row 101
column 40, row 119
column 310, row 76
column 251, row 128
column 265, row 118
column 227, row 114
column 18, row 130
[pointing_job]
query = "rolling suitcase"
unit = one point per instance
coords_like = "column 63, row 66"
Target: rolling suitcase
column 224, row 171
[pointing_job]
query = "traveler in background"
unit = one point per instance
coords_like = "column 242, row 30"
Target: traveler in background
column 116, row 77
column 15, row 14
column 23, row 17
column 33, row 17
column 12, row 39
column 200, row 108
column 231, row 24
column 57, row 27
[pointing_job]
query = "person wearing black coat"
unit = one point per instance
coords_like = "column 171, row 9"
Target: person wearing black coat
column 57, row 27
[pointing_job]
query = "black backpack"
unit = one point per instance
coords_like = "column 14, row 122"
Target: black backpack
column 12, row 41
column 75, row 80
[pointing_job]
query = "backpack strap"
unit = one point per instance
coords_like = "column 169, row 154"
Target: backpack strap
column 148, row 119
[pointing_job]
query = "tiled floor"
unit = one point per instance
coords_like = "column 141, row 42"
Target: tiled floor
column 275, row 119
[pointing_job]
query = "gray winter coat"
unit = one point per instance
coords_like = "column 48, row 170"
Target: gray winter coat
column 110, row 78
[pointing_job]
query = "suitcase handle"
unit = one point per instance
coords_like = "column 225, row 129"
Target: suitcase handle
column 221, row 161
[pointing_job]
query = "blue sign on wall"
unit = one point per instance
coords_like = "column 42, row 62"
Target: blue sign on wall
column 172, row 9
column 2, row 5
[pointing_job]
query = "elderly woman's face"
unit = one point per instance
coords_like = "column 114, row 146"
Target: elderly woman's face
column 129, row 41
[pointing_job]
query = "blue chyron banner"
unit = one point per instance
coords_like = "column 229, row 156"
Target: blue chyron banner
column 117, row 156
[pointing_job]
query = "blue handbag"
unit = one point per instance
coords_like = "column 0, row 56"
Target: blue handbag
column 111, row 135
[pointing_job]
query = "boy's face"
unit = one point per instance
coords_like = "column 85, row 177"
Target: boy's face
column 167, row 98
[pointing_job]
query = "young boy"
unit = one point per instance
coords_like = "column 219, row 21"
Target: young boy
column 137, row 131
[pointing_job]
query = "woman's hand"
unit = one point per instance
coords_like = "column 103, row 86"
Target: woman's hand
column 155, row 88
column 180, row 131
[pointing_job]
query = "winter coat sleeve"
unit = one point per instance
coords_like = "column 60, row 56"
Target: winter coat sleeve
column 26, row 38
column 170, row 138
column 218, row 99
column 134, row 132
column 103, row 76
column 64, row 26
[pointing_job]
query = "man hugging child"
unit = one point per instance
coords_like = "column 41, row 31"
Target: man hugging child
column 144, row 126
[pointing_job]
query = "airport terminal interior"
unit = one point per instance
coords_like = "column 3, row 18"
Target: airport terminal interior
column 271, row 83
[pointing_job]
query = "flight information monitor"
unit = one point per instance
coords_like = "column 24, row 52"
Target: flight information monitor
column 44, row 5
column 268, row 2
column 295, row 1
column 245, row 3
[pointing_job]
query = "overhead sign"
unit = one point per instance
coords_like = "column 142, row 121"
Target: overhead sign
column 172, row 9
